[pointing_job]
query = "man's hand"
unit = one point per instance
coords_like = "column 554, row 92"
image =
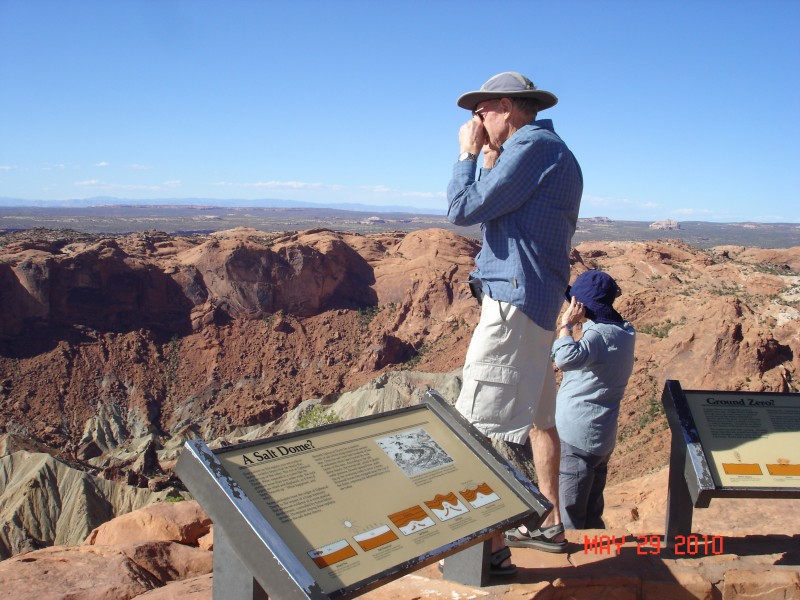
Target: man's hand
column 472, row 136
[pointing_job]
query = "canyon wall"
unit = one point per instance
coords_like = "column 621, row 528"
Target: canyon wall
column 114, row 350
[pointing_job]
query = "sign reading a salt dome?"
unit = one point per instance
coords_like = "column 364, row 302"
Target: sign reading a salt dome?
column 349, row 506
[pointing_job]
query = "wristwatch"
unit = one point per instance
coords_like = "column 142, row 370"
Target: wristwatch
column 467, row 156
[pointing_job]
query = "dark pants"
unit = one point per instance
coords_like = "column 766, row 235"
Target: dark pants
column 581, row 481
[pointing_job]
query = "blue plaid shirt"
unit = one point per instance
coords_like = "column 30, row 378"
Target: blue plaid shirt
column 528, row 209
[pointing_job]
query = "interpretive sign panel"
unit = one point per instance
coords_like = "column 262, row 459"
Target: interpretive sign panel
column 729, row 444
column 750, row 439
column 362, row 502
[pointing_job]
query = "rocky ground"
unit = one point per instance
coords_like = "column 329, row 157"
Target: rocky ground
column 165, row 552
column 115, row 349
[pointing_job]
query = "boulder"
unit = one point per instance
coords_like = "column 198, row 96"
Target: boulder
column 182, row 522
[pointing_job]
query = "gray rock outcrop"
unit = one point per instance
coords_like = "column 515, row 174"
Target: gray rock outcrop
column 43, row 502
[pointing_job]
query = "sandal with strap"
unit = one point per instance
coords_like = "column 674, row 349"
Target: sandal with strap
column 539, row 539
column 496, row 561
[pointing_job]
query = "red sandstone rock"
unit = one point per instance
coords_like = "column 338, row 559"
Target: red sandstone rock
column 761, row 566
column 106, row 342
column 89, row 573
column 169, row 561
column 182, row 522
column 206, row 542
column 769, row 584
column 197, row 588
column 100, row 572
column 234, row 328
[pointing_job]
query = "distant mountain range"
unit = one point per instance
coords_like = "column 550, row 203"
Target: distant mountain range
column 102, row 215
column 229, row 203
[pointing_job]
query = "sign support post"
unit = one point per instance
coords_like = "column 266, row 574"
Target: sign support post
column 470, row 566
column 679, row 501
column 232, row 579
column 728, row 445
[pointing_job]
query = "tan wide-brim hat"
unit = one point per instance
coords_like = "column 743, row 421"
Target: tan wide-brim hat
column 507, row 85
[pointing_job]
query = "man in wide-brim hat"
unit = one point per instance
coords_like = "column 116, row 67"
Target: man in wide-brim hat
column 526, row 196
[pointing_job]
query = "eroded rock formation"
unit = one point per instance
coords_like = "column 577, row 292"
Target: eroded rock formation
column 113, row 351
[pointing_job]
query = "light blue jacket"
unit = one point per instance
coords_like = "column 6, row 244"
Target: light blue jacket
column 596, row 371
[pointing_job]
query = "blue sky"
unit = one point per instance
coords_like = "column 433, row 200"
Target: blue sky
column 684, row 110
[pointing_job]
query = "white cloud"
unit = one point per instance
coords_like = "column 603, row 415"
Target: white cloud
column 102, row 164
column 774, row 219
column 692, row 212
column 295, row 185
column 424, row 194
column 605, row 202
column 376, row 189
column 7, row 168
column 105, row 186
column 361, row 193
column 137, row 167
column 382, row 189
column 289, row 185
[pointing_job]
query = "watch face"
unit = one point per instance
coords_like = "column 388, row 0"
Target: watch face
column 466, row 156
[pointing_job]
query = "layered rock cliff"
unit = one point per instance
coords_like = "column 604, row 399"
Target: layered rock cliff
column 113, row 350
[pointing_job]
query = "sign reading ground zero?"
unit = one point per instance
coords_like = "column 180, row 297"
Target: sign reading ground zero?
column 364, row 501
column 728, row 445
column 750, row 440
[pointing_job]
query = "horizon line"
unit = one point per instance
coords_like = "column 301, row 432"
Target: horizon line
column 205, row 202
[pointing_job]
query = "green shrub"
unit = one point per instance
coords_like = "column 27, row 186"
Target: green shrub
column 366, row 314
column 660, row 330
column 414, row 360
column 174, row 499
column 316, row 416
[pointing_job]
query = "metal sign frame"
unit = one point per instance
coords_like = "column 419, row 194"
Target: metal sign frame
column 260, row 564
column 691, row 480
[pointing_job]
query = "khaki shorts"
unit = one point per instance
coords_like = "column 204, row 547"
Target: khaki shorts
column 509, row 385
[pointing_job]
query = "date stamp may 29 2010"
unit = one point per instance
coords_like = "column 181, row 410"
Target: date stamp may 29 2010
column 684, row 545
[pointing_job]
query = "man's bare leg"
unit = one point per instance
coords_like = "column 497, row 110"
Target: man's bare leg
column 546, row 457
column 498, row 543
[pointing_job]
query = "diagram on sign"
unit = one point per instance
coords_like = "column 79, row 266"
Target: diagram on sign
column 446, row 506
column 750, row 439
column 784, row 467
column 414, row 451
column 479, row 496
column 411, row 520
column 375, row 537
column 331, row 554
column 742, row 468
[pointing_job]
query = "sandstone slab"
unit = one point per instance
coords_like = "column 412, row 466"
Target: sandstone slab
column 88, row 573
column 197, row 588
column 183, row 522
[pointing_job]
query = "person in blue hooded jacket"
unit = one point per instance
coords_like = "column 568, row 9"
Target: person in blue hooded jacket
column 596, row 371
